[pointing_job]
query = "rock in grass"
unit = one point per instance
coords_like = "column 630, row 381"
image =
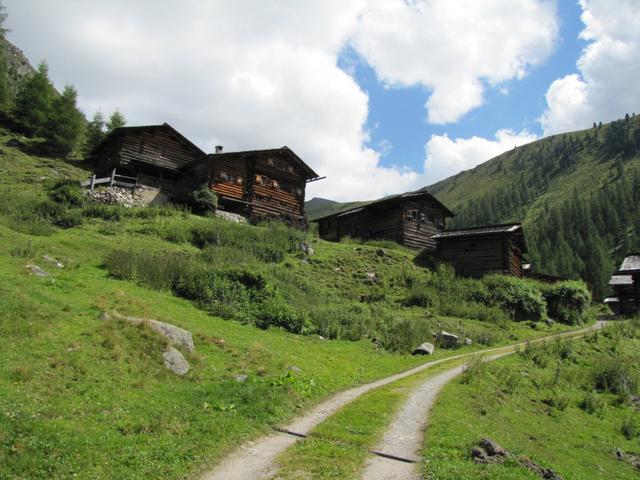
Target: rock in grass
column 447, row 340
column 295, row 369
column 241, row 378
column 425, row 348
column 36, row 270
column 176, row 335
column 175, row 362
column 492, row 448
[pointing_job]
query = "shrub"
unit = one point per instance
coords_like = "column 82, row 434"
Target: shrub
column 405, row 334
column 275, row 312
column 630, row 428
column 567, row 301
column 516, row 295
column 202, row 200
column 592, row 403
column 615, row 376
column 69, row 219
column 112, row 213
column 68, row 193
column 421, row 295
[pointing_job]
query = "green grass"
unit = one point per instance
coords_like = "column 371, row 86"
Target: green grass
column 547, row 403
column 84, row 398
column 339, row 446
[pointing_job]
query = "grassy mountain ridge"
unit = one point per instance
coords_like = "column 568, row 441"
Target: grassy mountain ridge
column 576, row 194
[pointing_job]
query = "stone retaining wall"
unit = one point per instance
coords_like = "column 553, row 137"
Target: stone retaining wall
column 140, row 196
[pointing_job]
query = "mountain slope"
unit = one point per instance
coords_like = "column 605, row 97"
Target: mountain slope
column 576, row 194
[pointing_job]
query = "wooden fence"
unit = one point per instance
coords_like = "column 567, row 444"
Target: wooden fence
column 114, row 180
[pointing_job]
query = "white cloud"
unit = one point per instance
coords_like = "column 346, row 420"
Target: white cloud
column 606, row 85
column 256, row 74
column 446, row 157
column 455, row 47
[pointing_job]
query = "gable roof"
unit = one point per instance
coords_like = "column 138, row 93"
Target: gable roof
column 310, row 174
column 630, row 264
column 390, row 199
column 621, row 280
column 119, row 132
column 514, row 229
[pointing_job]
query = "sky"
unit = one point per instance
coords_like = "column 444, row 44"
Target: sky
column 379, row 96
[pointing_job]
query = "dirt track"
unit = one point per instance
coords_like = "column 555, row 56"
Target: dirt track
column 256, row 460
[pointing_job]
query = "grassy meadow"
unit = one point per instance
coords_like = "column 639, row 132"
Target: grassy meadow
column 85, row 398
column 567, row 405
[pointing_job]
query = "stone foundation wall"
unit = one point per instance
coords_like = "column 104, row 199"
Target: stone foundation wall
column 140, row 196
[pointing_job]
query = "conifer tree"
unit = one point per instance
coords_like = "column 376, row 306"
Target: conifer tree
column 34, row 101
column 65, row 124
column 116, row 120
column 95, row 132
column 4, row 84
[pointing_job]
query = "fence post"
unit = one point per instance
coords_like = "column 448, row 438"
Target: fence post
column 93, row 181
column 113, row 177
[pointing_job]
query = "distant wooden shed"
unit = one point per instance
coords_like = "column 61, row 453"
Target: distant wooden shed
column 411, row 219
column 261, row 184
column 152, row 155
column 474, row 252
column 626, row 285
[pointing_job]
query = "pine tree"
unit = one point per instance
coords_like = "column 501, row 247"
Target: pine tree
column 34, row 101
column 95, row 132
column 4, row 85
column 65, row 124
column 116, row 120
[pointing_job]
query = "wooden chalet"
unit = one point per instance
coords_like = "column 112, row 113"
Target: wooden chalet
column 411, row 219
column 261, row 184
column 154, row 155
column 626, row 285
column 474, row 252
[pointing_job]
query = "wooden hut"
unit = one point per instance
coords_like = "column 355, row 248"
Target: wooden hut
column 153, row 155
column 262, row 184
column 626, row 285
column 411, row 219
column 474, row 252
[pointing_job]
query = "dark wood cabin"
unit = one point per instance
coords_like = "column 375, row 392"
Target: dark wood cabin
column 153, row 155
column 411, row 219
column 474, row 252
column 262, row 184
column 626, row 285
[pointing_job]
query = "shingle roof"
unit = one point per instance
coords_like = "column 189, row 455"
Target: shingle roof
column 389, row 199
column 631, row 263
column 621, row 280
column 484, row 230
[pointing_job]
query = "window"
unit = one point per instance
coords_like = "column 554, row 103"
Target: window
column 262, row 180
column 271, row 162
column 275, row 184
column 412, row 214
column 231, row 178
column 439, row 221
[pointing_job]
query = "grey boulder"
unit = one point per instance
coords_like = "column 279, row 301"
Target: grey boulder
column 425, row 348
column 175, row 362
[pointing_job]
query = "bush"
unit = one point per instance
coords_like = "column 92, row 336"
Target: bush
column 67, row 193
column 568, row 301
column 615, row 376
column 69, row 219
column 202, row 200
column 517, row 296
column 111, row 213
column 276, row 313
column 405, row 334
column 421, row 295
column 630, row 428
column 593, row 404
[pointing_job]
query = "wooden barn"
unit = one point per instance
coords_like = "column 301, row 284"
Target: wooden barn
column 626, row 285
column 411, row 219
column 262, row 183
column 474, row 252
column 154, row 155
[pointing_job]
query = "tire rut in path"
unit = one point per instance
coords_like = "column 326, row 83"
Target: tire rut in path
column 405, row 435
column 256, row 460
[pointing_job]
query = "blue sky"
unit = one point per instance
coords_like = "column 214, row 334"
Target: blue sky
column 397, row 114
column 379, row 96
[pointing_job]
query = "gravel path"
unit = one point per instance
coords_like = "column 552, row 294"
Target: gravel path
column 404, row 436
column 256, row 460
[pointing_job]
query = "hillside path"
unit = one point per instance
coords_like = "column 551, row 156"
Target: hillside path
column 256, row 460
column 406, row 433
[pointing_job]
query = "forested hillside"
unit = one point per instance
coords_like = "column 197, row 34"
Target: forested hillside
column 577, row 194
